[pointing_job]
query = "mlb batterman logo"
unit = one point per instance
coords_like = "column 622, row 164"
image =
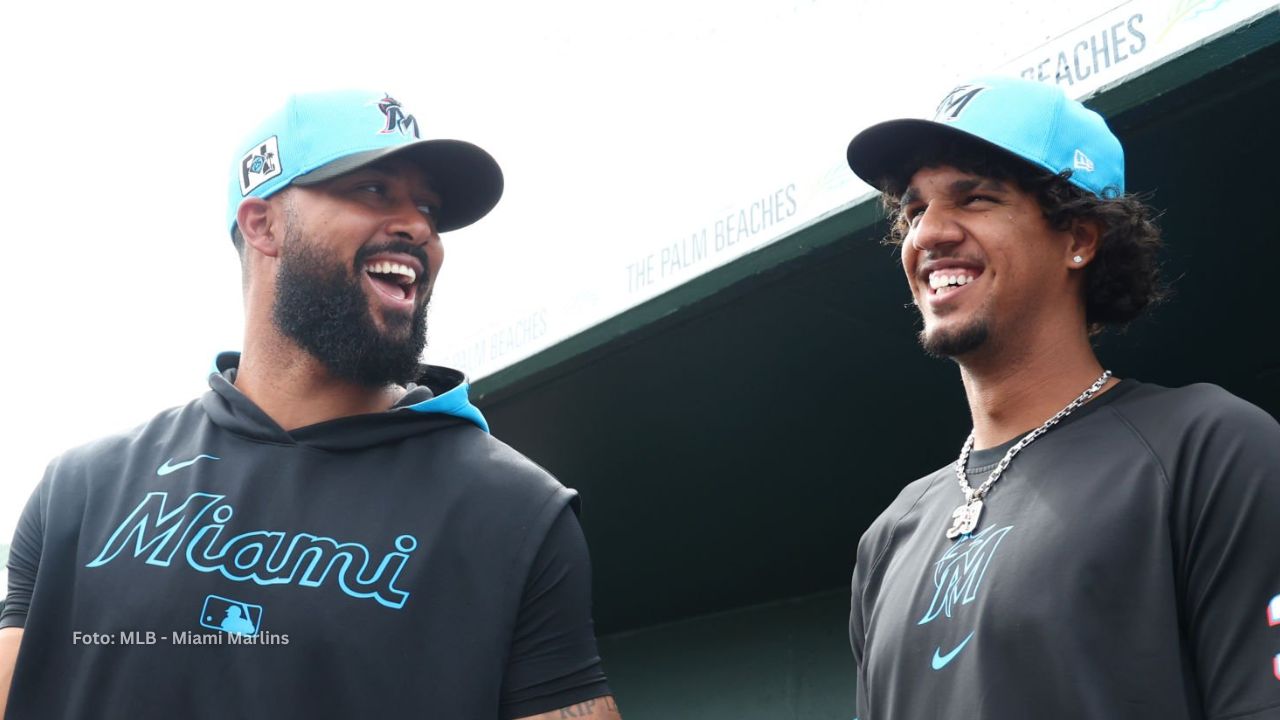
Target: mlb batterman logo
column 259, row 165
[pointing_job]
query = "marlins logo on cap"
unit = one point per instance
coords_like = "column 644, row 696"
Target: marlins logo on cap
column 955, row 101
column 397, row 120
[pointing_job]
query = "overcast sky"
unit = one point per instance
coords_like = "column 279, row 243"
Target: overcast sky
column 621, row 127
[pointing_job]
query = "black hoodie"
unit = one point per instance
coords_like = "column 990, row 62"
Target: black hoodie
column 211, row 564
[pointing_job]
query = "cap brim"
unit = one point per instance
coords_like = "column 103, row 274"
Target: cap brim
column 467, row 178
column 877, row 154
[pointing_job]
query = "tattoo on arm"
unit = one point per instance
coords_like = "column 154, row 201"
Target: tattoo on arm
column 588, row 709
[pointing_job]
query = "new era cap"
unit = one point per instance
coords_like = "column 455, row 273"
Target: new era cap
column 318, row 136
column 1033, row 121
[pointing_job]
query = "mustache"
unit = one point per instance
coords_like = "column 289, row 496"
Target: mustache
column 395, row 246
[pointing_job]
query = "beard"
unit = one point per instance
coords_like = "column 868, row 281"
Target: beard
column 323, row 307
column 955, row 342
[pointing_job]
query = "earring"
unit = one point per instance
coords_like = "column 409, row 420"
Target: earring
column 1078, row 259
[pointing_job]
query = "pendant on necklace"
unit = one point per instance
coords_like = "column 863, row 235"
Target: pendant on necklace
column 965, row 519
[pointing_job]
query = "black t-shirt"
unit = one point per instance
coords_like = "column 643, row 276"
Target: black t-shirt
column 1127, row 565
column 210, row 565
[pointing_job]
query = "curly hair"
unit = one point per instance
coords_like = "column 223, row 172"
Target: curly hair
column 1124, row 277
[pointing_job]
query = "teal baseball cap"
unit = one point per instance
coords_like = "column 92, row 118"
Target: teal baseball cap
column 318, row 136
column 1033, row 121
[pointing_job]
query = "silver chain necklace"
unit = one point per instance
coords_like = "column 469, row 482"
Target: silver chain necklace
column 965, row 518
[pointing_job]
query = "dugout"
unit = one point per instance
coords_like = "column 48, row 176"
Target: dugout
column 733, row 437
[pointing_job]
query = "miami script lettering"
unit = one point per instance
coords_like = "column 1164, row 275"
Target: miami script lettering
column 193, row 532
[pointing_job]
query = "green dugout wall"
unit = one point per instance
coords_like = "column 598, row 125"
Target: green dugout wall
column 732, row 438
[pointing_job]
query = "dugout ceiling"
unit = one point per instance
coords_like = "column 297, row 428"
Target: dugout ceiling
column 732, row 438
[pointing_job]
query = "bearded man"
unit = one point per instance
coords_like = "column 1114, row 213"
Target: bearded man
column 330, row 531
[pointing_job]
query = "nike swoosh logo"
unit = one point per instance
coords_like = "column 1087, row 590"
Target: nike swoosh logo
column 940, row 661
column 167, row 467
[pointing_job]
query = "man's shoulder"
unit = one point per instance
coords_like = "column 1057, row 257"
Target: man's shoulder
column 908, row 502
column 118, row 446
column 471, row 447
column 1198, row 407
column 1202, row 393
column 486, row 464
column 1200, row 429
column 914, row 492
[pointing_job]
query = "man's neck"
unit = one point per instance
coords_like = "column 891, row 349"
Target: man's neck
column 1015, row 394
column 295, row 390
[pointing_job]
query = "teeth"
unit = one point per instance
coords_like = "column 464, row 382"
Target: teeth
column 392, row 268
column 939, row 280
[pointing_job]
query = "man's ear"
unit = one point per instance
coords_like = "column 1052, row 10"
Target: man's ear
column 1086, row 238
column 259, row 229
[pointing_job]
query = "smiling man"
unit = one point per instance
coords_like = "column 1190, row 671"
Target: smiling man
column 1101, row 548
column 330, row 531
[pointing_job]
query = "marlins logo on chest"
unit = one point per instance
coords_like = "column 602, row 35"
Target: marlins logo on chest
column 958, row 574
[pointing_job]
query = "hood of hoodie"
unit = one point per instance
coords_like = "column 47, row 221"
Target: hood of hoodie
column 437, row 398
